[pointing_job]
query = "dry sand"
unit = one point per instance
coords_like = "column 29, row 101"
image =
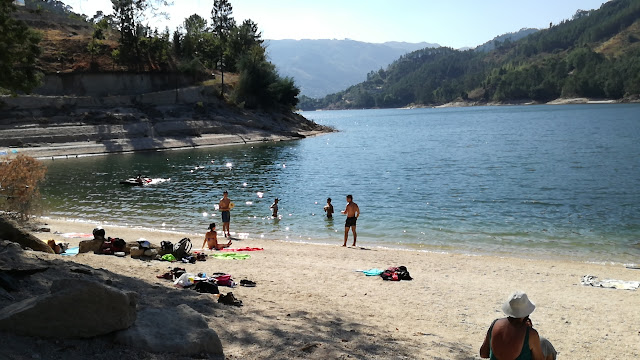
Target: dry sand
column 311, row 303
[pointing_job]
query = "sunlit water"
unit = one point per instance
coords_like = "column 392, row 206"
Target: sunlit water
column 534, row 181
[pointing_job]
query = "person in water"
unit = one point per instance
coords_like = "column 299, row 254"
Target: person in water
column 211, row 239
column 514, row 337
column 225, row 209
column 353, row 212
column 274, row 208
column 329, row 209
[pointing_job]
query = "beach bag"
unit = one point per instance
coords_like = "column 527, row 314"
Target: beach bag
column 118, row 244
column 224, row 280
column 207, row 287
column 166, row 246
column 182, row 248
column 185, row 280
column 107, row 247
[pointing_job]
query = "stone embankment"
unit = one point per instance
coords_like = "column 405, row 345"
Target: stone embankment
column 46, row 126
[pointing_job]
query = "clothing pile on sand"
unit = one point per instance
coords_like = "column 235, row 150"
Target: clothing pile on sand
column 394, row 273
column 202, row 283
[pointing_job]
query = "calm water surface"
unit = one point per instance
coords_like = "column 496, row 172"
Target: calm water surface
column 534, row 181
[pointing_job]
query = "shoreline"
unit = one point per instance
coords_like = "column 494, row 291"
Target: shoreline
column 522, row 253
column 312, row 297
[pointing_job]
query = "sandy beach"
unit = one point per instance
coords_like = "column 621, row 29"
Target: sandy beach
column 311, row 302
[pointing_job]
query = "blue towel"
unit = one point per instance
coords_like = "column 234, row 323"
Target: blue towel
column 372, row 272
column 71, row 251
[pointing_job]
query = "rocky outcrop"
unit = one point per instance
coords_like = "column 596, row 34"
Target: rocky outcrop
column 184, row 117
column 74, row 309
column 181, row 330
column 12, row 231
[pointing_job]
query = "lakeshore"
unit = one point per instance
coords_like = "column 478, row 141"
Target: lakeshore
column 311, row 302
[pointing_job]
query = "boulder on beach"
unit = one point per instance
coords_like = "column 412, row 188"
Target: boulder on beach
column 12, row 231
column 180, row 330
column 74, row 309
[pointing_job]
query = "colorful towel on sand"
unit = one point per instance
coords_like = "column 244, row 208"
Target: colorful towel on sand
column 242, row 249
column 71, row 251
column 77, row 235
column 231, row 255
column 371, row 272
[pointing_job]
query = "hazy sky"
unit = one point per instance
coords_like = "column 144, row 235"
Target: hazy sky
column 449, row 23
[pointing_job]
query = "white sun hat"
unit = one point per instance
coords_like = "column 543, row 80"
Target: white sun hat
column 518, row 305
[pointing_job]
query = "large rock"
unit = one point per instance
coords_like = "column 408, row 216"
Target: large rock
column 10, row 230
column 74, row 309
column 180, row 330
column 92, row 246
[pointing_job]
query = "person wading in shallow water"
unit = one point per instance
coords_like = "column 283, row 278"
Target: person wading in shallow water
column 352, row 211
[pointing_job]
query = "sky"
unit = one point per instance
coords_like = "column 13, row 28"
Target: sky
column 456, row 24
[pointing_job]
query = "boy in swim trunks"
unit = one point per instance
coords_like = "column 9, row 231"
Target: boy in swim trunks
column 329, row 209
column 211, row 239
column 225, row 210
column 352, row 211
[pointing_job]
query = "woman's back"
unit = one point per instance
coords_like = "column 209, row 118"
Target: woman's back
column 510, row 340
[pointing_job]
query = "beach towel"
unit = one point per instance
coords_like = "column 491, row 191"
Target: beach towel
column 233, row 256
column 591, row 280
column 77, row 235
column 371, row 272
column 71, row 251
column 242, row 249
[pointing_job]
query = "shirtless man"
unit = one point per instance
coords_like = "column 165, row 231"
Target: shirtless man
column 224, row 207
column 352, row 211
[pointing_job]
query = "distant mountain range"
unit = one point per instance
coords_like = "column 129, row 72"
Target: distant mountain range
column 321, row 67
column 595, row 54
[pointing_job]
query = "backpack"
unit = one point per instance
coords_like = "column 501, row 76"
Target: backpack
column 224, row 280
column 207, row 287
column 166, row 246
column 118, row 244
column 107, row 247
column 182, row 248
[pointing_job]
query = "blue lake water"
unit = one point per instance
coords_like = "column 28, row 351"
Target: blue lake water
column 532, row 181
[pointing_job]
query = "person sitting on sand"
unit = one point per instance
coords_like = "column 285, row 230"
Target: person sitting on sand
column 211, row 239
column 514, row 337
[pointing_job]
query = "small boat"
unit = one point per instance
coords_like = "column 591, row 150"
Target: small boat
column 136, row 182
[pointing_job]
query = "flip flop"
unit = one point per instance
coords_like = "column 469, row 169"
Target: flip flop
column 247, row 283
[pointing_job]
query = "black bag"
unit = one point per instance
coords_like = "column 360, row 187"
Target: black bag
column 118, row 244
column 182, row 249
column 166, row 246
column 207, row 287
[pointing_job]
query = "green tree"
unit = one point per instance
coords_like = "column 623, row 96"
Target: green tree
column 195, row 28
column 19, row 49
column 222, row 23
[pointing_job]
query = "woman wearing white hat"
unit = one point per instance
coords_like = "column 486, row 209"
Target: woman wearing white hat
column 513, row 337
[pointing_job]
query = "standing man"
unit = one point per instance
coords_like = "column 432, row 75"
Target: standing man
column 225, row 208
column 352, row 211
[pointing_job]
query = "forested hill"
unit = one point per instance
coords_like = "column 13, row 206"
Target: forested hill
column 596, row 54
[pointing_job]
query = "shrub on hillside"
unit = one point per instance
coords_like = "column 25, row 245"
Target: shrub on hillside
column 19, row 184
